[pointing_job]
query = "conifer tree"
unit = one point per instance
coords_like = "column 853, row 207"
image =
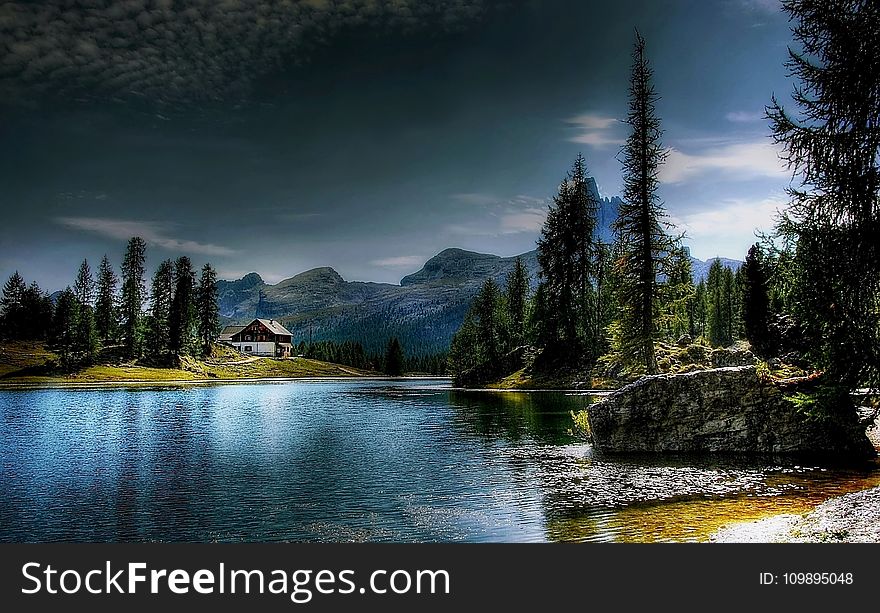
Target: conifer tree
column 182, row 319
column 639, row 228
column 566, row 252
column 832, row 145
column 517, row 295
column 12, row 309
column 161, row 296
column 756, row 303
column 63, row 330
column 105, row 304
column 133, row 292
column 86, row 336
column 209, row 312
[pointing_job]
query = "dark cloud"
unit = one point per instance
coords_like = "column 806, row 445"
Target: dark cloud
column 185, row 50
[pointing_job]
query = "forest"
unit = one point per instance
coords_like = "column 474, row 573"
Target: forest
column 806, row 296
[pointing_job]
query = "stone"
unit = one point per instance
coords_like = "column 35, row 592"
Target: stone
column 684, row 340
column 724, row 357
column 722, row 410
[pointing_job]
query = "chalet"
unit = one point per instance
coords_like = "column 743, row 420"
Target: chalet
column 263, row 337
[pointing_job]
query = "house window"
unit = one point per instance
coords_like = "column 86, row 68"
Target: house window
column 248, row 348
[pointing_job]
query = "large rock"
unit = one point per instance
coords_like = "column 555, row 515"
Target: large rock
column 727, row 410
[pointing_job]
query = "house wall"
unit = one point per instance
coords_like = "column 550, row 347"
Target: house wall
column 267, row 349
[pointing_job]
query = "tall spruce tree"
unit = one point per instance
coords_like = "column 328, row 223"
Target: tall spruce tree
column 566, row 252
column 86, row 336
column 716, row 305
column 832, row 145
column 678, row 293
column 208, row 310
column 517, row 294
column 639, row 228
column 182, row 319
column 105, row 303
column 756, row 303
column 161, row 296
column 12, row 308
column 133, row 293
column 62, row 335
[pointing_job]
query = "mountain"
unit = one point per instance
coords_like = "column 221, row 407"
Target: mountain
column 424, row 311
column 701, row 268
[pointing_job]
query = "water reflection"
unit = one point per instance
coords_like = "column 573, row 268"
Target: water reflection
column 356, row 461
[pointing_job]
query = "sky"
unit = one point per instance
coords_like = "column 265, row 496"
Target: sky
column 366, row 135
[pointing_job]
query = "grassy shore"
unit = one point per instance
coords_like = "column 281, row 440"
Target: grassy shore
column 34, row 364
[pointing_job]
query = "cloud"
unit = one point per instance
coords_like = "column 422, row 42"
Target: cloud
column 501, row 216
column 737, row 160
column 401, row 261
column 595, row 130
column 177, row 52
column 729, row 227
column 153, row 233
column 744, row 116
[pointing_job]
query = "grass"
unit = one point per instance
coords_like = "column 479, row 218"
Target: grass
column 32, row 363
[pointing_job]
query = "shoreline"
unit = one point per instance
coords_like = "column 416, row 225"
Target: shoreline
column 850, row 518
column 36, row 385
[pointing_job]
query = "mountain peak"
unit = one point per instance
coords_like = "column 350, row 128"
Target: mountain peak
column 323, row 275
column 450, row 266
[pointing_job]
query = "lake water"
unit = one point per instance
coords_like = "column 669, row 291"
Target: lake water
column 357, row 461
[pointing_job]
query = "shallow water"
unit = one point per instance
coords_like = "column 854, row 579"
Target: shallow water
column 357, row 461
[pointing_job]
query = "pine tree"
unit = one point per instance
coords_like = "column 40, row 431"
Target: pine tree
column 182, row 319
column 161, row 296
column 12, row 311
column 832, row 146
column 105, row 304
column 394, row 358
column 566, row 252
column 699, row 311
column 63, row 330
column 209, row 311
column 517, row 295
column 756, row 303
column 716, row 305
column 678, row 294
column 489, row 322
column 133, row 291
column 86, row 336
column 37, row 312
column 639, row 227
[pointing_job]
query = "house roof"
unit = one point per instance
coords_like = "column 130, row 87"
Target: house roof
column 275, row 327
column 229, row 331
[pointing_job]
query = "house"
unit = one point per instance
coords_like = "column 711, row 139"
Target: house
column 263, row 337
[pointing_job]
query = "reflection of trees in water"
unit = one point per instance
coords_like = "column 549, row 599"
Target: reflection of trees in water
column 514, row 416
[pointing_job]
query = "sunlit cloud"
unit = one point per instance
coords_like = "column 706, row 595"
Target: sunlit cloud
column 724, row 228
column 739, row 160
column 744, row 116
column 154, row 233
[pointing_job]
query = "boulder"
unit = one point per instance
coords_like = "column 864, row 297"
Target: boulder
column 723, row 410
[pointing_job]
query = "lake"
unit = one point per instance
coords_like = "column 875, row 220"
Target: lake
column 356, row 460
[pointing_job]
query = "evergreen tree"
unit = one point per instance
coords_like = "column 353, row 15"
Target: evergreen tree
column 832, row 145
column 86, row 336
column 63, row 329
column 639, row 227
column 716, row 305
column 37, row 312
column 605, row 299
column 699, row 311
column 182, row 319
column 133, row 291
column 756, row 303
column 566, row 252
column 394, row 358
column 517, row 294
column 161, row 296
column 209, row 313
column 489, row 322
column 12, row 309
column 678, row 294
column 105, row 304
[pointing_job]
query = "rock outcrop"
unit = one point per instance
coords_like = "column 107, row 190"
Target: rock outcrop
column 723, row 410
